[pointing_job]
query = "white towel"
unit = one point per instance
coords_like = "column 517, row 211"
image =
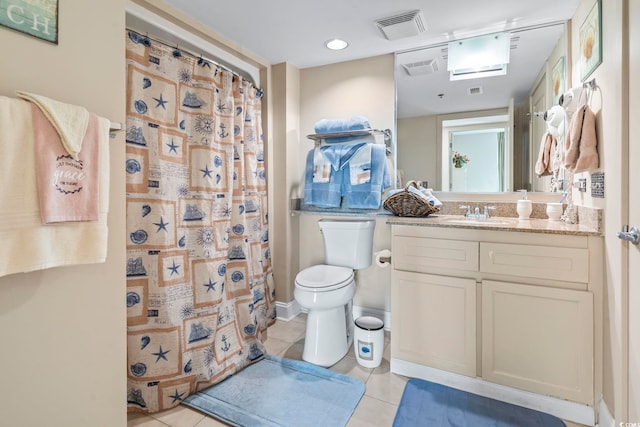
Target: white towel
column 360, row 166
column 430, row 197
column 70, row 121
column 321, row 167
column 27, row 244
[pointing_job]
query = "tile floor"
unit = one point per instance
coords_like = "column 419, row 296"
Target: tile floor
column 377, row 408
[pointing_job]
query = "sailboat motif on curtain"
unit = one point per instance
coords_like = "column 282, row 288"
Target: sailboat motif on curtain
column 200, row 290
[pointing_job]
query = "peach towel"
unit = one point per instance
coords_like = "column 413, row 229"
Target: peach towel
column 67, row 188
column 581, row 143
column 544, row 165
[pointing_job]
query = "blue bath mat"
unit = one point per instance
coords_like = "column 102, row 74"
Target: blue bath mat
column 281, row 392
column 425, row 403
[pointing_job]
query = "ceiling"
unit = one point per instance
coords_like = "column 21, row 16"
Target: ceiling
column 295, row 31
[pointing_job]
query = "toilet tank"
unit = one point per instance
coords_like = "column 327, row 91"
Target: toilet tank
column 347, row 243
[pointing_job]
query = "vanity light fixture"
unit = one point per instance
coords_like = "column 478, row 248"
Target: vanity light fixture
column 482, row 56
column 336, row 44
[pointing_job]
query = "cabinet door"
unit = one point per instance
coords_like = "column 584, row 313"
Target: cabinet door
column 434, row 321
column 538, row 339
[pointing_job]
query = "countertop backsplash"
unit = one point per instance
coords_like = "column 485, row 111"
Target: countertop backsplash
column 587, row 216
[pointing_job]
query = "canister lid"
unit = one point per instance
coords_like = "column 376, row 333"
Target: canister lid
column 369, row 323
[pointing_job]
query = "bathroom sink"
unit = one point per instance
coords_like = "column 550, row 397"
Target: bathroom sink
column 477, row 221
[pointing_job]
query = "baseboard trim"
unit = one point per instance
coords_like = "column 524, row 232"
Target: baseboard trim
column 605, row 419
column 380, row 314
column 571, row 411
column 287, row 310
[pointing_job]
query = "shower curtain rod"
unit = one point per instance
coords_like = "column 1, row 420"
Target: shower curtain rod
column 216, row 62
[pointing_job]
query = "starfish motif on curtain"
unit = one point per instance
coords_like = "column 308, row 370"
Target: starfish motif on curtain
column 160, row 102
column 211, row 286
column 161, row 225
column 174, row 268
column 176, row 396
column 173, row 147
column 161, row 354
column 206, row 172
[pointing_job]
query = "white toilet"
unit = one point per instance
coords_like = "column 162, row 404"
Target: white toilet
column 326, row 290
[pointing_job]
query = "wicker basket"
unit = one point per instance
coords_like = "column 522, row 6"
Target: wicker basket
column 406, row 203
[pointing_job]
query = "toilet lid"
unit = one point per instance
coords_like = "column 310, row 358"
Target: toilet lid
column 324, row 277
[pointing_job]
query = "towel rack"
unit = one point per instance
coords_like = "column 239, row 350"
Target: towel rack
column 591, row 84
column 114, row 127
column 350, row 133
column 319, row 137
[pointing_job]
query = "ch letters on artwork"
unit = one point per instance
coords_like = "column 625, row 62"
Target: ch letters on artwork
column 38, row 18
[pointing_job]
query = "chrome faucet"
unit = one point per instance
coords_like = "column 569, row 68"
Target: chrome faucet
column 487, row 209
column 476, row 211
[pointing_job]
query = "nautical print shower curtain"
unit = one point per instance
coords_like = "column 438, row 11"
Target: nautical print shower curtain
column 200, row 290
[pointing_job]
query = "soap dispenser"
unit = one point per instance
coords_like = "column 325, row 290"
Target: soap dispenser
column 524, row 206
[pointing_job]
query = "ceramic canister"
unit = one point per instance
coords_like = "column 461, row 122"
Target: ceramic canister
column 368, row 341
column 554, row 211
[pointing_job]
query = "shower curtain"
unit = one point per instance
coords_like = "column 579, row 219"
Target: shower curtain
column 200, row 291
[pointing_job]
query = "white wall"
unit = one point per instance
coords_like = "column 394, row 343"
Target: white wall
column 285, row 151
column 608, row 102
column 417, row 149
column 62, row 330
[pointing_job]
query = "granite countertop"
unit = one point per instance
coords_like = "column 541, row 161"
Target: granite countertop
column 504, row 218
column 534, row 225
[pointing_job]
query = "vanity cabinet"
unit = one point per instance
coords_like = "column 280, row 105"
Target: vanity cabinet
column 515, row 309
column 442, row 334
column 538, row 339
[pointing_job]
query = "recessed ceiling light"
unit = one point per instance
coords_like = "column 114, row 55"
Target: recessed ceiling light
column 336, row 44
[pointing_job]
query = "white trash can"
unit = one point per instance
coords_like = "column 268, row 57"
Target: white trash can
column 368, row 341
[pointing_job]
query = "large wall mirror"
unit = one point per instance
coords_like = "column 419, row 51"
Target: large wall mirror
column 480, row 134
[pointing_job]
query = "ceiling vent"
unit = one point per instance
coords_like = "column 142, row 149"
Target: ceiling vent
column 476, row 90
column 403, row 25
column 428, row 66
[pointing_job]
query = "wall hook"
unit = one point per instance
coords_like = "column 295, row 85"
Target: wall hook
column 591, row 84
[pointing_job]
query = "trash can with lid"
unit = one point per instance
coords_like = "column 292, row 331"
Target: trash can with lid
column 368, row 341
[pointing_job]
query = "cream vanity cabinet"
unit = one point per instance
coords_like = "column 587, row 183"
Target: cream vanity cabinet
column 512, row 308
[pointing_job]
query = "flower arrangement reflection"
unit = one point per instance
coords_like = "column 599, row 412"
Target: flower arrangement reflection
column 459, row 160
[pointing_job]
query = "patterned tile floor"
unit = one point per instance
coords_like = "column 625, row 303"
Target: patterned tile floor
column 377, row 408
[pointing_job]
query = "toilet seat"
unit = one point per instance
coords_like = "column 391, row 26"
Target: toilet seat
column 323, row 278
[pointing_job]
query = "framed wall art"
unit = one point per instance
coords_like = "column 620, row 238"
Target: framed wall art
column 38, row 18
column 591, row 41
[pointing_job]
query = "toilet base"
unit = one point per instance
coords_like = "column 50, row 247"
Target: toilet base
column 326, row 340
